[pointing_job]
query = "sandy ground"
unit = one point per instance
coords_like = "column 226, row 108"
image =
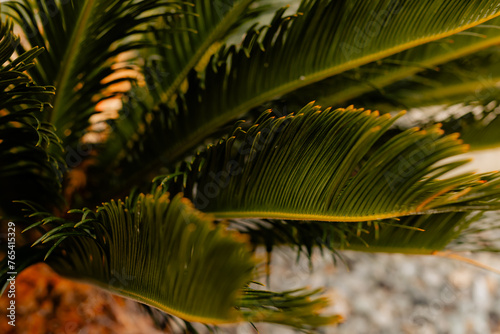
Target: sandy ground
column 397, row 294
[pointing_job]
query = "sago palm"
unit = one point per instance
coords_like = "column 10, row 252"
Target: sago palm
column 215, row 149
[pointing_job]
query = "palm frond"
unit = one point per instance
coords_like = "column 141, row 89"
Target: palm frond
column 482, row 133
column 200, row 30
column 160, row 252
column 465, row 89
column 476, row 122
column 205, row 23
column 30, row 163
column 296, row 308
column 302, row 236
column 330, row 166
column 83, row 39
column 471, row 79
column 422, row 235
column 375, row 76
column 478, row 125
column 166, row 254
column 295, row 52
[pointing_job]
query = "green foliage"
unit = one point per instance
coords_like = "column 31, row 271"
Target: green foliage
column 204, row 23
column 158, row 251
column 200, row 29
column 477, row 124
column 29, row 148
column 295, row 308
column 424, row 234
column 167, row 254
column 470, row 79
column 290, row 53
column 295, row 51
column 342, row 173
column 482, row 133
column 331, row 179
column 85, row 39
column 373, row 79
column 419, row 234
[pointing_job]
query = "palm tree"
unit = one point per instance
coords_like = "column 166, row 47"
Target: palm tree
column 178, row 188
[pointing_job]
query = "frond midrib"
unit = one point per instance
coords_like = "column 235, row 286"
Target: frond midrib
column 158, row 305
column 223, row 26
column 322, row 217
column 69, row 57
column 468, row 87
column 385, row 80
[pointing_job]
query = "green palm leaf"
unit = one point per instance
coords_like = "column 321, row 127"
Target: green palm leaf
column 200, row 32
column 430, row 233
column 330, row 166
column 333, row 179
column 352, row 84
column 83, row 39
column 205, row 23
column 483, row 133
column 465, row 80
column 302, row 236
column 478, row 125
column 295, row 52
column 164, row 253
column 421, row 234
column 160, row 252
column 468, row 81
column 291, row 308
column 30, row 163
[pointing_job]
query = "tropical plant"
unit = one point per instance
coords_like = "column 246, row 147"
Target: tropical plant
column 172, row 188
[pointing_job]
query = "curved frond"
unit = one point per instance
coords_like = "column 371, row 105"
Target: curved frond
column 164, row 253
column 200, row 29
column 478, row 125
column 482, row 133
column 30, row 163
column 449, row 89
column 159, row 252
column 330, row 166
column 302, row 236
column 83, row 40
column 471, row 79
column 297, row 51
column 375, row 76
column 295, row 308
column 204, row 23
column 465, row 91
column 421, row 234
